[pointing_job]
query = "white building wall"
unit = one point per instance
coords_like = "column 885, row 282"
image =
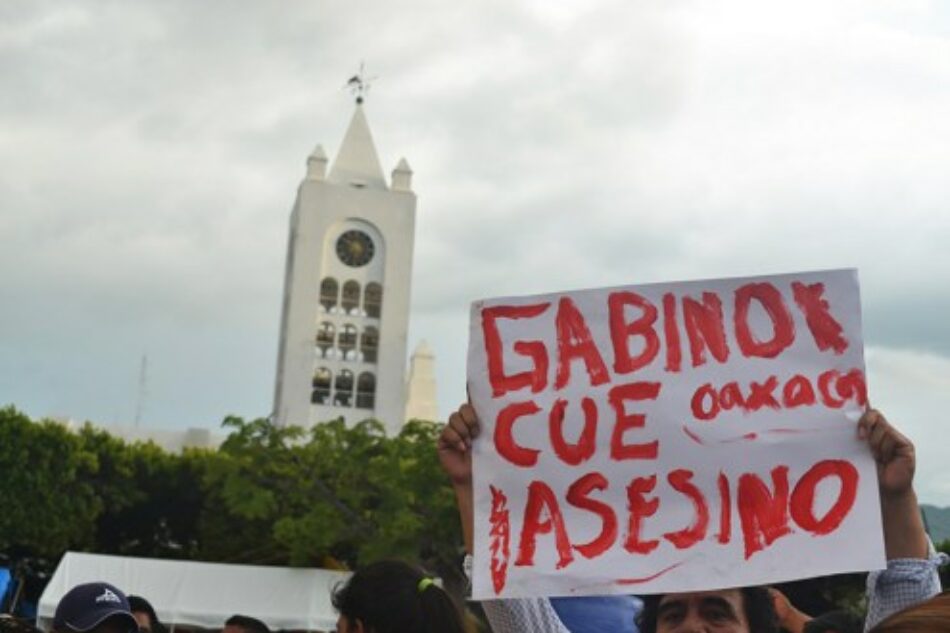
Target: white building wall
column 171, row 440
column 421, row 403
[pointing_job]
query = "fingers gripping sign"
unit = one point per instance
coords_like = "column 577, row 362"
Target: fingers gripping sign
column 894, row 453
column 455, row 444
column 455, row 455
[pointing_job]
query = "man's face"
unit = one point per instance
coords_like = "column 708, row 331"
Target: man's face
column 702, row 612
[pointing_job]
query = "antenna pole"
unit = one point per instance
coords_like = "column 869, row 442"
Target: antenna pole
column 143, row 391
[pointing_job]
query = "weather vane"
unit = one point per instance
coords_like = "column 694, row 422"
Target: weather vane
column 359, row 84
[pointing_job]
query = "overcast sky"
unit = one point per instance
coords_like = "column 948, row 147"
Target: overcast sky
column 150, row 153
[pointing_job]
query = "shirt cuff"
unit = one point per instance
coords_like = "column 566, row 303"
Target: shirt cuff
column 900, row 569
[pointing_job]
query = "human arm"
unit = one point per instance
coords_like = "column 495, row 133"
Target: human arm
column 455, row 455
column 911, row 575
column 904, row 534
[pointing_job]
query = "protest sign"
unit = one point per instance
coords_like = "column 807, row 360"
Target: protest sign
column 671, row 437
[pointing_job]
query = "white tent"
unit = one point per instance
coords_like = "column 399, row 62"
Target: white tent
column 187, row 593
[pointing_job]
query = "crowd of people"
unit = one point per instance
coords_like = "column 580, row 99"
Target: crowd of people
column 384, row 597
column 100, row 607
column 395, row 597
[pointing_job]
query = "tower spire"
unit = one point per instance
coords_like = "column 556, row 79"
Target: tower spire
column 357, row 163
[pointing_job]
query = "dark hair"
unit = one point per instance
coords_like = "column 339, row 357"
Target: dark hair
column 394, row 597
column 756, row 603
column 839, row 621
column 932, row 616
column 249, row 624
column 138, row 604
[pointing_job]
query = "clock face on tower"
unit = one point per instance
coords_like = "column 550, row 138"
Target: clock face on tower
column 355, row 248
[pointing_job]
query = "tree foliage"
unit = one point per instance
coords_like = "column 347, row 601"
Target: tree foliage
column 332, row 495
column 49, row 501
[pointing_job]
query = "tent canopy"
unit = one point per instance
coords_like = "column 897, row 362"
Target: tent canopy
column 205, row 595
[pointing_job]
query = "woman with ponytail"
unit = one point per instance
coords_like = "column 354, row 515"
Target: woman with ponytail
column 394, row 597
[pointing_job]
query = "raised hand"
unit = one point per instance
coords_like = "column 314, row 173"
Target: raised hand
column 893, row 453
column 455, row 444
column 904, row 535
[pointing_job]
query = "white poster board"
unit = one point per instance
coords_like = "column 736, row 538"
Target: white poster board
column 671, row 437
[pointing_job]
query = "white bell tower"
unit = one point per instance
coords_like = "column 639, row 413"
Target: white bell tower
column 346, row 289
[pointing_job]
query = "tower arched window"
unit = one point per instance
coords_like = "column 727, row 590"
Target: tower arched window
column 329, row 289
column 351, row 297
column 346, row 340
column 343, row 389
column 366, row 391
column 326, row 333
column 369, row 344
column 321, row 386
column 373, row 299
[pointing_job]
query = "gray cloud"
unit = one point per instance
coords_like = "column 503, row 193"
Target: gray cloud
column 151, row 153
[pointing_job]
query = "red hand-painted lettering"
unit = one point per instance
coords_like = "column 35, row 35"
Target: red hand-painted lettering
column 621, row 331
column 725, row 509
column 578, row 495
column 635, row 391
column 639, row 508
column 704, row 328
column 763, row 513
column 680, row 480
column 504, row 439
column 574, row 341
column 499, row 538
column 583, row 450
column 803, row 497
column 541, row 501
column 502, row 383
column 782, row 325
column 671, row 333
column 826, row 331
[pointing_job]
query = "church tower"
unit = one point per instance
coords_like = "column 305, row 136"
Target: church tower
column 346, row 289
column 421, row 403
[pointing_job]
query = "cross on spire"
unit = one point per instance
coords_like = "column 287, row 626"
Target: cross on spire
column 359, row 84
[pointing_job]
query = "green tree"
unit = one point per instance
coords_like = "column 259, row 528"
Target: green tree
column 48, row 499
column 243, row 484
column 334, row 494
column 151, row 499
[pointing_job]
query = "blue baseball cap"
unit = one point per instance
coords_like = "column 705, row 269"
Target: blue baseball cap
column 86, row 606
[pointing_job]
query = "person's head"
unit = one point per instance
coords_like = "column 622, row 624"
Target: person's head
column 394, row 597
column 244, row 624
column 95, row 607
column 931, row 616
column 835, row 622
column 145, row 615
column 745, row 610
